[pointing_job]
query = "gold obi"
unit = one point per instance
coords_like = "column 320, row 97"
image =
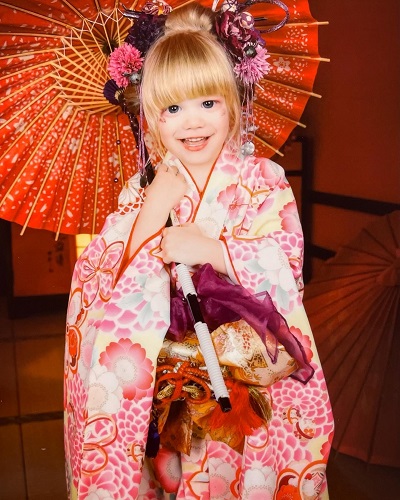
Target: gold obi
column 182, row 379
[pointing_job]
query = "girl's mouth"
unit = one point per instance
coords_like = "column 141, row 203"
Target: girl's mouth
column 194, row 143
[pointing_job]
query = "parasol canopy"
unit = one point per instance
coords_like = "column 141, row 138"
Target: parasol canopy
column 354, row 309
column 65, row 150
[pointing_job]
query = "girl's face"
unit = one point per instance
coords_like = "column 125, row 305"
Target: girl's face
column 195, row 130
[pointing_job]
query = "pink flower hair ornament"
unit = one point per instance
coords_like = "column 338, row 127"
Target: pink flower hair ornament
column 124, row 65
column 251, row 69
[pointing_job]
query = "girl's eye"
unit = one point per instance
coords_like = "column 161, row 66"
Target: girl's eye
column 173, row 109
column 208, row 104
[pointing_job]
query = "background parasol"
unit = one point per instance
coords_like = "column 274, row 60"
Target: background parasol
column 65, row 150
column 354, row 309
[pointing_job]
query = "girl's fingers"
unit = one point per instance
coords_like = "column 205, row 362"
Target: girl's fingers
column 172, row 169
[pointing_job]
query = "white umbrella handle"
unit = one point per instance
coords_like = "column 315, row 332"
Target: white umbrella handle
column 205, row 341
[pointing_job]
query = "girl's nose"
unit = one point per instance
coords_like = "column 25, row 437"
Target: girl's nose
column 193, row 120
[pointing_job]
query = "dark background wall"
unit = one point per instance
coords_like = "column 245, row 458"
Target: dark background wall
column 354, row 129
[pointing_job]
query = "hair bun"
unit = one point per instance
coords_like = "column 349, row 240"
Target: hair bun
column 191, row 17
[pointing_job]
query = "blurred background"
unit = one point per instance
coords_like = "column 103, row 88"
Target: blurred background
column 345, row 170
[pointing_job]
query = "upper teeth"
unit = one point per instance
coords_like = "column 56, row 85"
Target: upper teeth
column 198, row 139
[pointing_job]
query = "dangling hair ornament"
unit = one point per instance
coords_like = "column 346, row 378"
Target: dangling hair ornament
column 236, row 29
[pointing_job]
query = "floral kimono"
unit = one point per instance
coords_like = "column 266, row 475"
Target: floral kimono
column 116, row 325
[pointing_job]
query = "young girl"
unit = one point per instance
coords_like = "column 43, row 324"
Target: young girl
column 237, row 214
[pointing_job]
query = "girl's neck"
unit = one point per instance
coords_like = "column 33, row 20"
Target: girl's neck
column 201, row 173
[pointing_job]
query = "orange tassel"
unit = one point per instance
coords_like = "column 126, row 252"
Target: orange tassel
column 242, row 418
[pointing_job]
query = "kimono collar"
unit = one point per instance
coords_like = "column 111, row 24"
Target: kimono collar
column 209, row 209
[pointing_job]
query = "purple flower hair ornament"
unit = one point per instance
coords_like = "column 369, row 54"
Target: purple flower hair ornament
column 236, row 30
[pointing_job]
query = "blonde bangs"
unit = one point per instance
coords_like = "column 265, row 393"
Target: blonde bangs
column 187, row 70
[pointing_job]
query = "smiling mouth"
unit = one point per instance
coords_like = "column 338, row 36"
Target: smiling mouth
column 195, row 143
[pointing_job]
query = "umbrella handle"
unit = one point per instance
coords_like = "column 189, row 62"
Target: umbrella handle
column 205, row 341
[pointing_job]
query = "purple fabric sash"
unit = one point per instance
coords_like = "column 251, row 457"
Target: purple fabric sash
column 223, row 302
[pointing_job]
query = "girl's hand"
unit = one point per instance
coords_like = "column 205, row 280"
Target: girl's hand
column 167, row 189
column 187, row 245
column 164, row 193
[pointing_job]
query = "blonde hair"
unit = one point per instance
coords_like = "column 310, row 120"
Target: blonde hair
column 185, row 63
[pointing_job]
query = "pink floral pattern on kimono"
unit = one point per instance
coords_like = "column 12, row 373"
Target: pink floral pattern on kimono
column 96, row 270
column 116, row 323
column 129, row 363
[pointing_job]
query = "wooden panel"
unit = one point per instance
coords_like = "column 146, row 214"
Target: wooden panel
column 41, row 265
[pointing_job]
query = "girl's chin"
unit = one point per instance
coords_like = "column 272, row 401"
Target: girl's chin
column 202, row 155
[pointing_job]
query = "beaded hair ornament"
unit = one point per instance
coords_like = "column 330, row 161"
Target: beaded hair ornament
column 235, row 28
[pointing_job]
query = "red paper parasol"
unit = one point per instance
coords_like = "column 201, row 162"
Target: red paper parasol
column 65, row 150
column 354, row 310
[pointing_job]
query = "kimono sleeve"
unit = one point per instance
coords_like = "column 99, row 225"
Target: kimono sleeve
column 266, row 253
column 104, row 253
